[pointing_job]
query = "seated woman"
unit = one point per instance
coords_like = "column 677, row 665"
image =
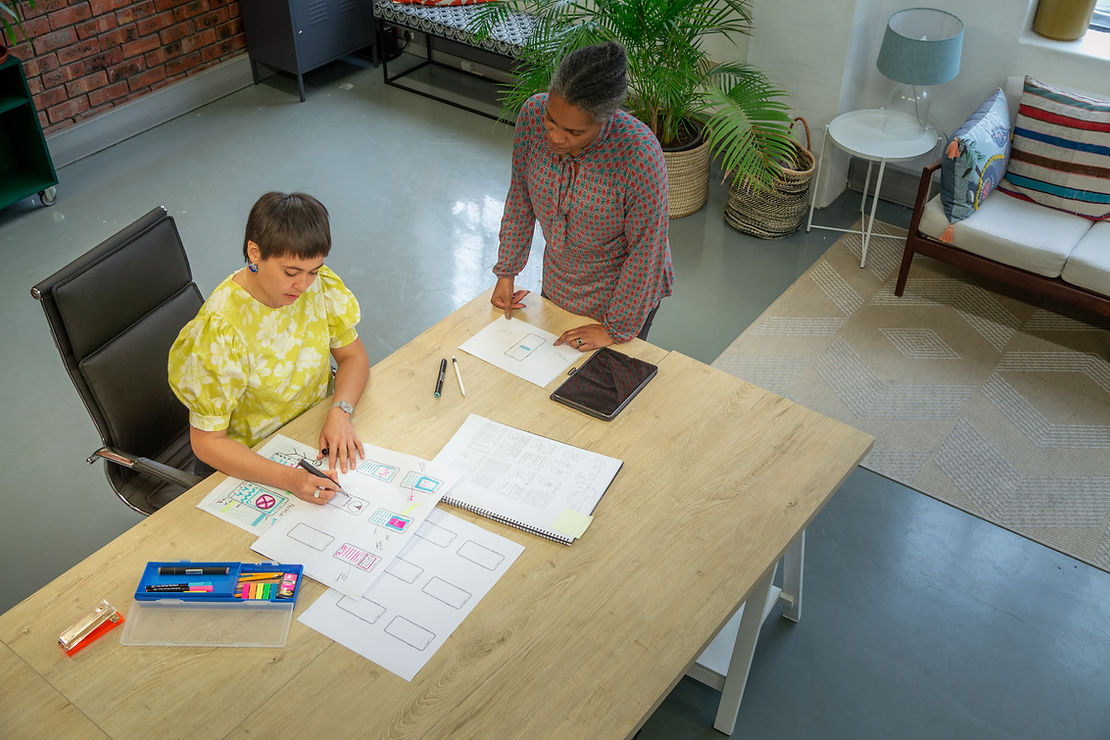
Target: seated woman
column 257, row 353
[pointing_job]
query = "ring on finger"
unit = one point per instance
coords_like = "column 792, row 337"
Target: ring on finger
column 579, row 340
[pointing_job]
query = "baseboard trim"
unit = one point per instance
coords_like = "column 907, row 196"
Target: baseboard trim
column 124, row 121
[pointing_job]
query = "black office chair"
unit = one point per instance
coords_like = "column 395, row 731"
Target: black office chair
column 114, row 312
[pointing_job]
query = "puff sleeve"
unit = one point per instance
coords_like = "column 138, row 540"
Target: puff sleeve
column 208, row 371
column 342, row 309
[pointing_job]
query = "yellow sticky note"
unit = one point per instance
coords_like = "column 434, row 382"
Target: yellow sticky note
column 571, row 523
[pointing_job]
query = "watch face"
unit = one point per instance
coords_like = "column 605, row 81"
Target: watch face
column 346, row 407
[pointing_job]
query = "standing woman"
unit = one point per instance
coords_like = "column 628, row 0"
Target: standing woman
column 594, row 177
column 258, row 352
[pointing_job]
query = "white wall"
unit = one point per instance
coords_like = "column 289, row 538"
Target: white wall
column 823, row 52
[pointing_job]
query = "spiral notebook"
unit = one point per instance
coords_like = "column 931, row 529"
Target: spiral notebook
column 527, row 481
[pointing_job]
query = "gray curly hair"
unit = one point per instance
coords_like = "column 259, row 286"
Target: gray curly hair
column 593, row 78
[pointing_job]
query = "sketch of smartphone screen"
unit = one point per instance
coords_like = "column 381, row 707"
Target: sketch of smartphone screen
column 526, row 346
column 605, row 383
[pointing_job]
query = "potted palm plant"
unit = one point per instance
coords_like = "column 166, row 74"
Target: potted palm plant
column 11, row 22
column 693, row 106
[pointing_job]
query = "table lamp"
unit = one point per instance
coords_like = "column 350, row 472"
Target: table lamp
column 921, row 47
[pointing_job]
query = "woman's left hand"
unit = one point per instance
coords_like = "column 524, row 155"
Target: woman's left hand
column 585, row 338
column 339, row 441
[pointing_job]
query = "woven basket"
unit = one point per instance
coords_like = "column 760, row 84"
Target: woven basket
column 777, row 212
column 687, row 179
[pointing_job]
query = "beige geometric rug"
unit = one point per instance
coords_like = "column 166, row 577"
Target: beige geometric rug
column 990, row 399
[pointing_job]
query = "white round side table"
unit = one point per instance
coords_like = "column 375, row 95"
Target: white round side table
column 878, row 136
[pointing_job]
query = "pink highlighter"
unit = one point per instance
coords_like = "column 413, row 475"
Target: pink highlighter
column 288, row 586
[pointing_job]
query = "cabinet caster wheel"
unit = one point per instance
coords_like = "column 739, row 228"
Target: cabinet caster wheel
column 49, row 196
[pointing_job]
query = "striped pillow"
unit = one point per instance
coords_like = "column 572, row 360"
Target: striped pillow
column 1060, row 154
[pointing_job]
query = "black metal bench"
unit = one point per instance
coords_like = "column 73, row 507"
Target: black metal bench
column 448, row 31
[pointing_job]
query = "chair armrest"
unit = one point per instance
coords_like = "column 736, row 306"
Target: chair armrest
column 923, row 188
column 159, row 470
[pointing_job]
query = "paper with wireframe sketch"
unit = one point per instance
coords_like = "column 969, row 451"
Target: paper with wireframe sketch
column 522, row 349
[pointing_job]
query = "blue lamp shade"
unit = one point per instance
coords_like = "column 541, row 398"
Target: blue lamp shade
column 921, row 46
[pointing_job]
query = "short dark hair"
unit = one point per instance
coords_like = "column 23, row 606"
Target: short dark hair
column 288, row 224
column 593, row 78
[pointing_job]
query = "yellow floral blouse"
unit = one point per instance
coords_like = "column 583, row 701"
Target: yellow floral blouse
column 249, row 369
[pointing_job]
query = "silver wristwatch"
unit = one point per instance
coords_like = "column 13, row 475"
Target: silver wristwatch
column 345, row 406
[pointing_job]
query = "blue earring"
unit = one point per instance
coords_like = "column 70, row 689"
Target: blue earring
column 252, row 267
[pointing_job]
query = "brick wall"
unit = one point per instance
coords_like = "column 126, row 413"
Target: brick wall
column 83, row 57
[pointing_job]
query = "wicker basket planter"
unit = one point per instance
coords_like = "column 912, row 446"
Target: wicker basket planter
column 687, row 178
column 779, row 211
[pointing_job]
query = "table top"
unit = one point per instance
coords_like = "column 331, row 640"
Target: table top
column 879, row 134
column 719, row 478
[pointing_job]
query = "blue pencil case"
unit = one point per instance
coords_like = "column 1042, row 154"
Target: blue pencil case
column 219, row 582
column 186, row 603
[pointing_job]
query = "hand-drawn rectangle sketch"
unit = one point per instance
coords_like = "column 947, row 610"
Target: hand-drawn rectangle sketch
column 522, row 349
column 480, row 556
column 448, row 593
column 400, row 622
column 364, row 609
column 410, row 633
column 311, row 536
column 403, row 569
column 348, row 543
column 438, row 536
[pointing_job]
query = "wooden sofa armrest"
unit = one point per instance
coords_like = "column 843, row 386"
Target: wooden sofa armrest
column 923, row 188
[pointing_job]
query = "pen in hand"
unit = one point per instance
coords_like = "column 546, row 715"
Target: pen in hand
column 317, row 472
column 442, row 375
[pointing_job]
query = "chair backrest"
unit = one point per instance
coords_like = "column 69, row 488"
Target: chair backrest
column 114, row 312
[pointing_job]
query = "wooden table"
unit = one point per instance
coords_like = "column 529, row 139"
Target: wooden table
column 584, row 641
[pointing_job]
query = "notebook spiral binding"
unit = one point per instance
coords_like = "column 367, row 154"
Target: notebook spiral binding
column 546, row 534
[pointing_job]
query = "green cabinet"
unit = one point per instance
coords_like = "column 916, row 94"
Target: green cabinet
column 25, row 166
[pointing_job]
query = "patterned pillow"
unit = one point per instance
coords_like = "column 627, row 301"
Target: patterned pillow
column 1060, row 156
column 975, row 159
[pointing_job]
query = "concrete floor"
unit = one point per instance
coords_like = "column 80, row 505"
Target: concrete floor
column 919, row 621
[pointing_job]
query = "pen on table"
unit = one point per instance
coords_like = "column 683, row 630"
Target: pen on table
column 318, row 473
column 459, row 376
column 183, row 571
column 442, row 374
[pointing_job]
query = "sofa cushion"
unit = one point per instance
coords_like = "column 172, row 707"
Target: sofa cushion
column 1089, row 264
column 1012, row 231
column 1060, row 154
column 975, row 159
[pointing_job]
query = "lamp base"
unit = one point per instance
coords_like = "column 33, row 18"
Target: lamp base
column 912, row 103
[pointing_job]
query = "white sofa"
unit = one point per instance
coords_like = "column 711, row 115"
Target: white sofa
column 1018, row 242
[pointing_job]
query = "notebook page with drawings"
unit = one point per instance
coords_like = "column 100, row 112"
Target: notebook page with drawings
column 530, row 482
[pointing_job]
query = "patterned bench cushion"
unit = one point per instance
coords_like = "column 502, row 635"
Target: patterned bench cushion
column 453, row 22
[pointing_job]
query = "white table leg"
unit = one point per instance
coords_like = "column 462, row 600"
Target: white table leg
column 742, row 653
column 817, row 178
column 863, row 198
column 791, row 596
column 874, row 205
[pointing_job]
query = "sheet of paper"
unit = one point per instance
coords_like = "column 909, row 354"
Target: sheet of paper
column 524, row 477
column 253, row 506
column 424, row 595
column 347, row 543
column 524, row 350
